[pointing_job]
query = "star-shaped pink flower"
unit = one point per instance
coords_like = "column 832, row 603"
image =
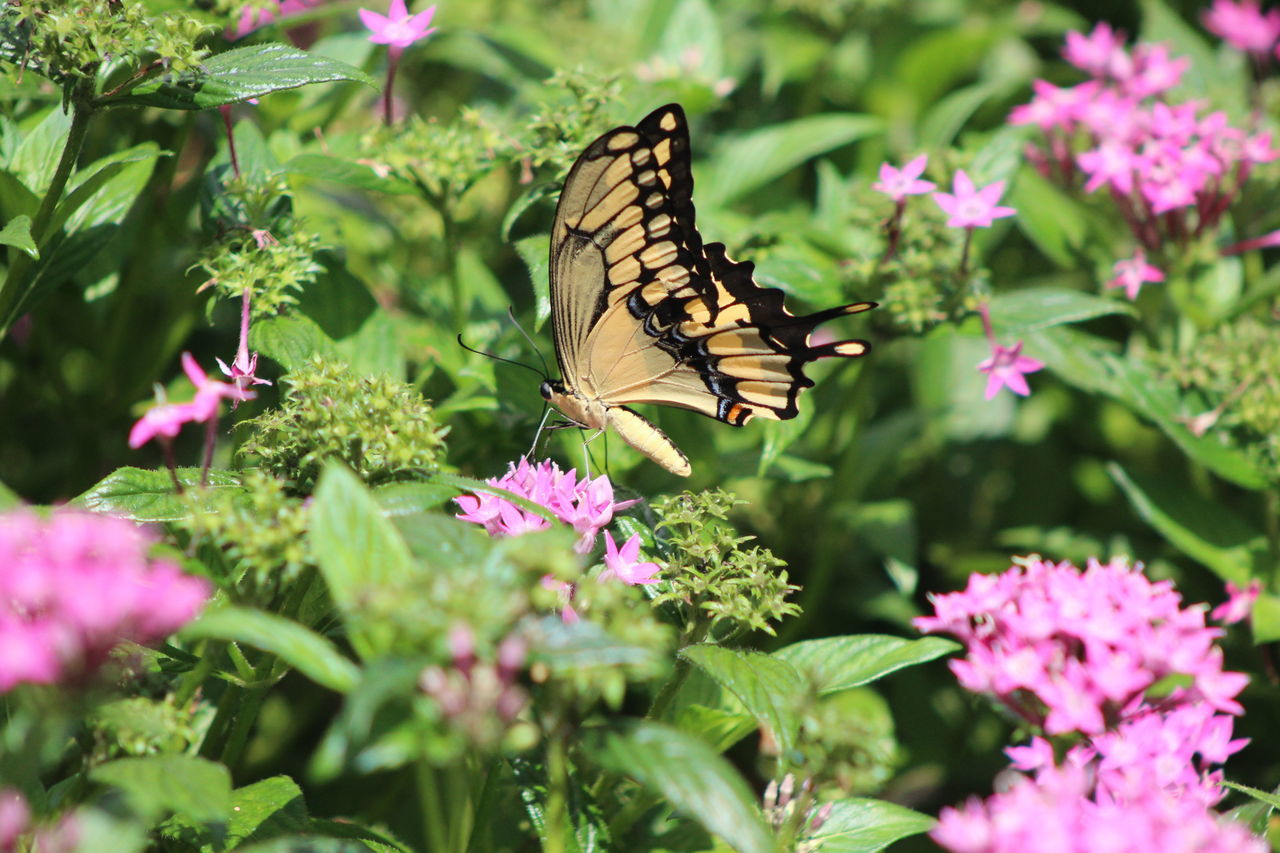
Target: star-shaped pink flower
column 1007, row 367
column 897, row 184
column 1134, row 272
column 1239, row 603
column 622, row 562
column 1243, row 25
column 243, row 368
column 166, row 419
column 969, row 207
column 398, row 28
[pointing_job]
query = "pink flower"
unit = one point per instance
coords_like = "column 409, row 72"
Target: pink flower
column 1243, row 25
column 622, row 562
column 1101, row 53
column 1054, row 107
column 900, row 183
column 252, row 18
column 969, row 207
column 398, row 28
column 1132, row 273
column 1113, row 162
column 567, row 614
column 1154, row 72
column 243, row 368
column 587, row 505
column 1007, row 366
column 15, row 818
column 75, row 585
column 1239, row 603
column 166, row 419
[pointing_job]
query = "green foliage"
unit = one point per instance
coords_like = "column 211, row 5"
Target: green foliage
column 382, row 429
column 725, row 588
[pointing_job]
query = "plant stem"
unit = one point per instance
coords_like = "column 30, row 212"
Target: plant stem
column 433, row 819
column 557, row 793
column 481, row 818
column 10, row 299
column 669, row 690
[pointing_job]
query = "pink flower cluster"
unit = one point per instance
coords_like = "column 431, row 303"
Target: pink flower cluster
column 966, row 206
column 1244, row 26
column 75, row 585
column 1070, row 650
column 1073, row 652
column 1172, row 170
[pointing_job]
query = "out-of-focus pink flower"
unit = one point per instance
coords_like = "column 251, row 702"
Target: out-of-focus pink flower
column 623, row 563
column 398, row 28
column 1239, row 603
column 567, row 614
column 1054, row 107
column 1070, row 650
column 1243, row 25
column 1155, row 72
column 75, row 585
column 1007, row 368
column 1132, row 273
column 1112, row 163
column 897, row 184
column 166, row 419
column 587, row 505
column 1101, row 53
column 970, row 207
column 253, row 18
column 15, row 818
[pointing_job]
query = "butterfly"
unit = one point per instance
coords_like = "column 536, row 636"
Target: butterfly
column 643, row 312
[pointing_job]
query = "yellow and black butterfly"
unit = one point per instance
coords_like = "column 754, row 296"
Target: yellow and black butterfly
column 642, row 312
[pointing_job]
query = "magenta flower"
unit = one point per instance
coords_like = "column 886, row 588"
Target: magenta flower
column 243, row 368
column 166, row 419
column 623, row 564
column 1134, row 272
column 969, row 207
column 1053, row 107
column 1101, row 53
column 1071, row 650
column 73, row 586
column 1243, row 25
column 398, row 28
column 897, row 184
column 1007, row 367
column 567, row 614
column 1239, row 603
column 15, row 818
column 587, row 505
column 1112, row 163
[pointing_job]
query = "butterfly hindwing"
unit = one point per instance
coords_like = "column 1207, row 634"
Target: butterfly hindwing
column 643, row 312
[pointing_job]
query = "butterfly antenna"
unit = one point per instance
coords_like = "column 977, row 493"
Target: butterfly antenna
column 528, row 367
column 511, row 312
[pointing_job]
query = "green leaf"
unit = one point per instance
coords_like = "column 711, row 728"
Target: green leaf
column 408, row 498
column 266, row 809
column 688, row 774
column 859, row 825
column 568, row 648
column 838, row 663
column 1266, row 619
column 1057, row 223
column 295, row 644
column 346, row 172
column 767, row 687
column 1261, row 796
column 1018, row 312
column 291, row 340
column 1202, row 529
column 140, row 494
column 533, row 251
column 588, row 830
column 357, row 549
column 96, row 192
column 238, row 75
column 193, row 788
column 17, row 233
column 754, row 159
column 9, row 499
column 309, row 844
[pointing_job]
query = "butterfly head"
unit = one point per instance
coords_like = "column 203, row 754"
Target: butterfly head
column 550, row 389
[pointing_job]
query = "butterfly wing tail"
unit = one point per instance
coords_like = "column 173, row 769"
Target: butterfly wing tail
column 649, row 440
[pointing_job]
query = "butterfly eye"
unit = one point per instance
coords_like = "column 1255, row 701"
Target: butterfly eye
column 545, row 390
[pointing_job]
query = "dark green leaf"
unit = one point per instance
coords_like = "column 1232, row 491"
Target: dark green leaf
column 310, row 844
column 588, row 830
column 17, row 233
column 291, row 340
column 140, row 494
column 1021, row 311
column 352, row 174
column 688, row 774
column 756, row 158
column 193, row 788
column 238, row 75
column 408, row 498
column 858, row 825
column 838, row 663
column 296, row 645
column 266, row 809
column 767, row 686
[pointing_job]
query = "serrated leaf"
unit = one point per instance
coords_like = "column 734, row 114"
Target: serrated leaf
column 859, row 825
column 838, row 663
column 1202, row 529
column 238, row 75
column 147, row 495
column 196, row 789
column 295, row 644
column 17, row 233
column 752, row 160
column 266, row 809
column 1018, row 312
column 357, row 549
column 768, row 687
column 688, row 774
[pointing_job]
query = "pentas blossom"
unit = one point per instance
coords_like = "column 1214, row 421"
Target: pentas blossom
column 243, row 367
column 398, row 28
column 624, row 563
column 1007, row 366
column 897, row 184
column 1239, row 603
column 970, row 207
column 253, row 17
column 586, row 505
column 75, row 585
column 166, row 419
column 1070, row 650
column 1134, row 272
column 1244, row 26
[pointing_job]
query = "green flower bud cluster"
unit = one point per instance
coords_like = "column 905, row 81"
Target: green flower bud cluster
column 140, row 726
column 442, row 160
column 380, row 428
column 572, row 114
column 730, row 588
column 259, row 527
